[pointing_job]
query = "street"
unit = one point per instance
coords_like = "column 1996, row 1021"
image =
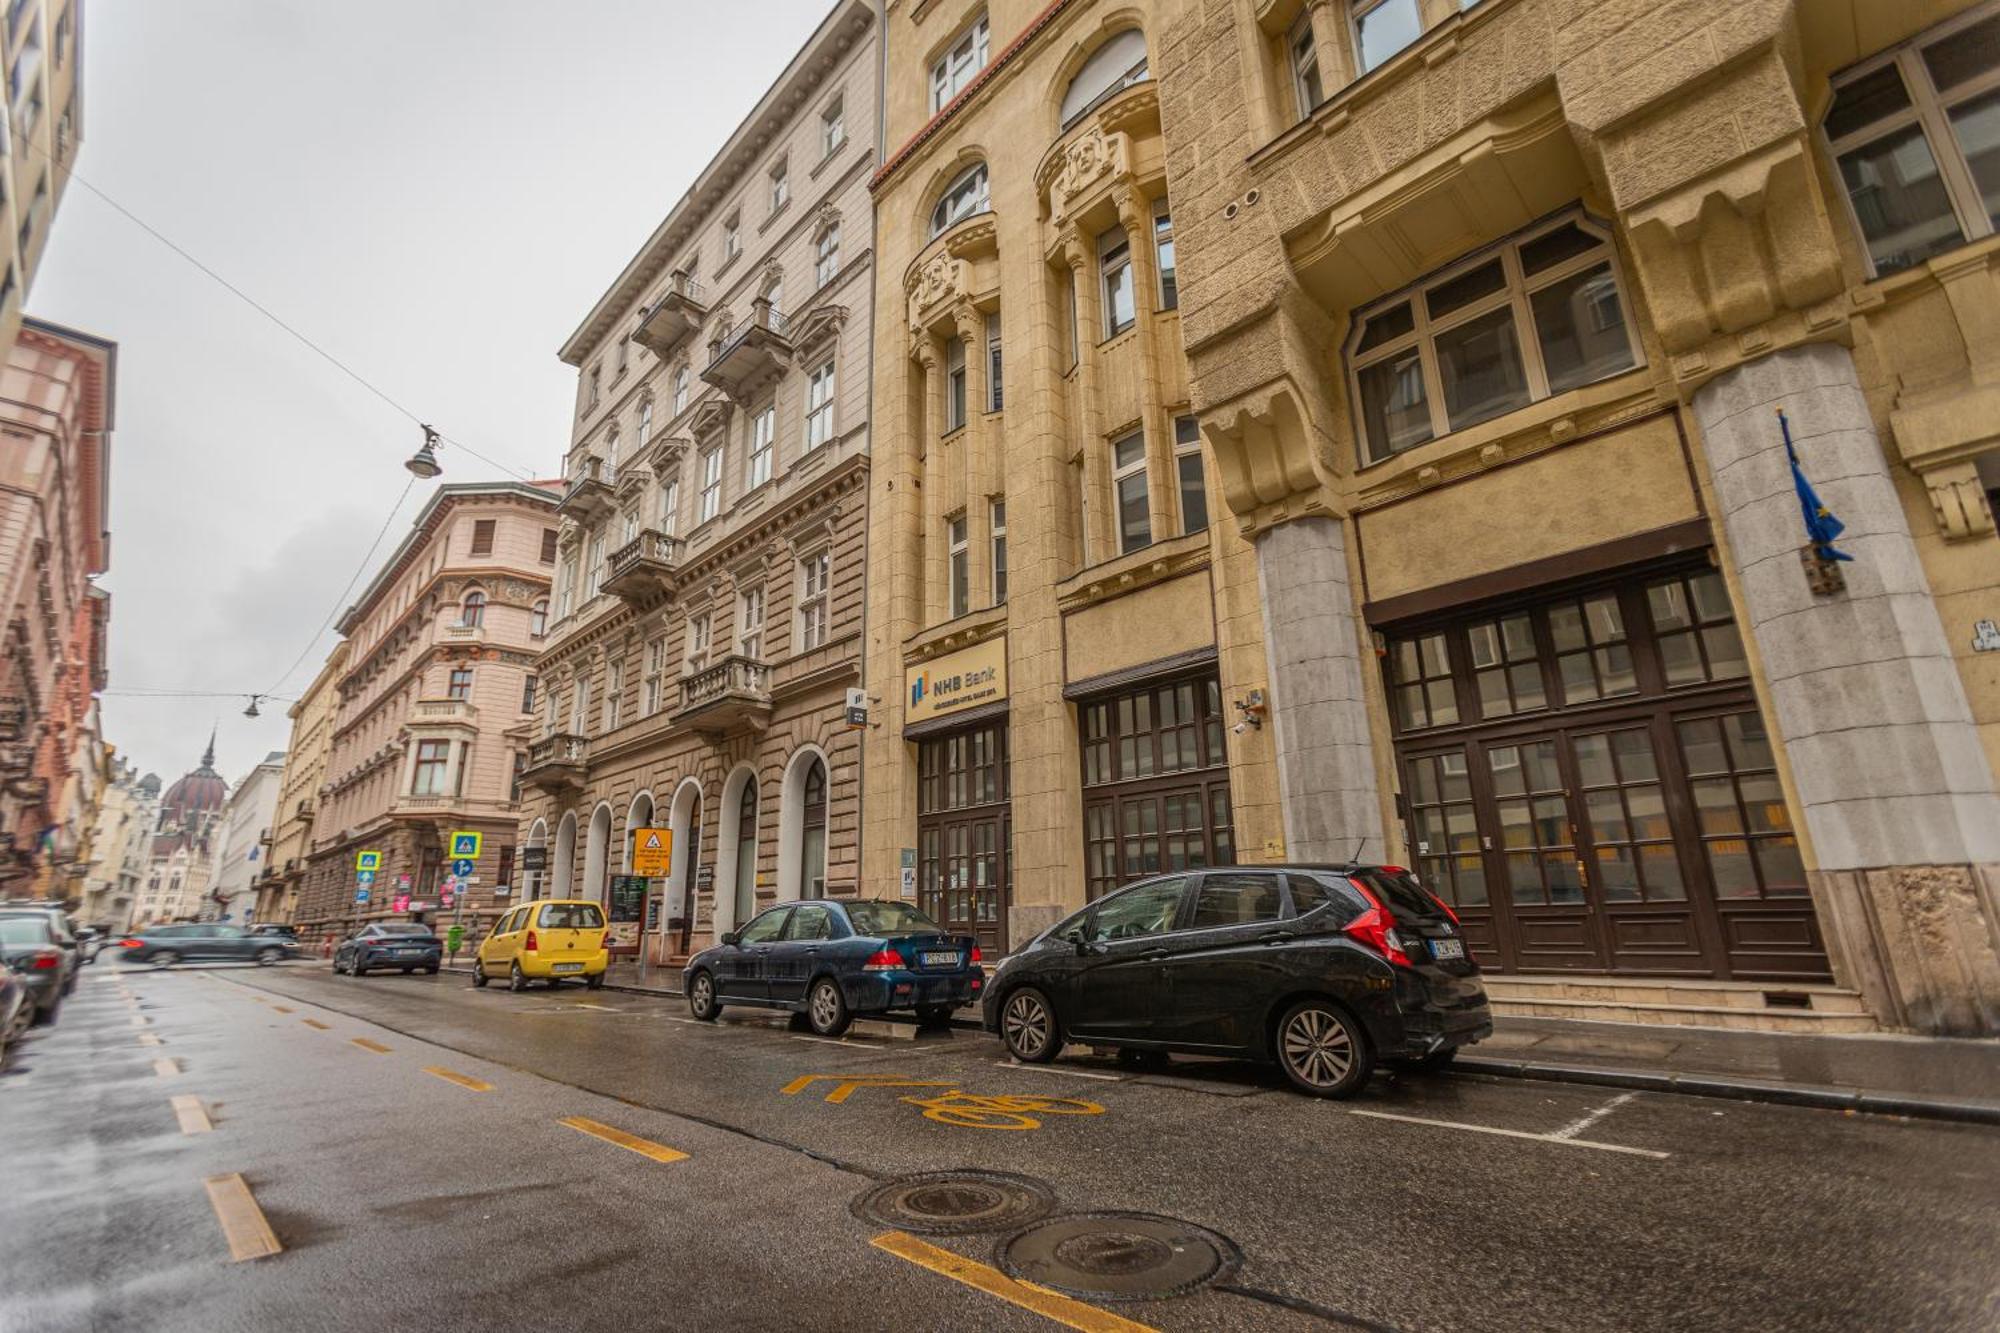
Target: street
column 425, row 1153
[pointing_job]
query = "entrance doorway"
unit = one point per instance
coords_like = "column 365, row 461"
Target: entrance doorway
column 965, row 832
column 1155, row 783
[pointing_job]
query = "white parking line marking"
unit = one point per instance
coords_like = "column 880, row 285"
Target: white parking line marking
column 1066, row 1073
column 829, row 1041
column 1512, row 1133
column 1570, row 1131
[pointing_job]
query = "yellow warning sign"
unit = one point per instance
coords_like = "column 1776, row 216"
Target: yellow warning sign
column 652, row 851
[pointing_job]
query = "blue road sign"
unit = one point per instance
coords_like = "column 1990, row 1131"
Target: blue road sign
column 461, row 867
column 361, row 895
column 364, row 876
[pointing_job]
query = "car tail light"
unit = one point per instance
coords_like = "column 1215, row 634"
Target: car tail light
column 884, row 960
column 1376, row 929
column 131, row 944
column 44, row 961
column 533, row 943
column 975, row 956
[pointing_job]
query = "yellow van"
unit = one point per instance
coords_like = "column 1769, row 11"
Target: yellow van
column 548, row 940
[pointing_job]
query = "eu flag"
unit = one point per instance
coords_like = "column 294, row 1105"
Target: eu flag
column 1821, row 526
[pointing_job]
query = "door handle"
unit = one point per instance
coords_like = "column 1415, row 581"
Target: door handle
column 1153, row 955
column 1275, row 937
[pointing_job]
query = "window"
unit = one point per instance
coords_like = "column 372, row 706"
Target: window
column 670, row 507
column 995, row 380
column 1695, row 630
column 819, row 407
column 810, row 923
column 1239, row 899
column 1147, row 909
column 954, row 384
column 656, row 670
column 538, row 617
column 433, row 757
column 757, row 464
column 767, row 927
column 1540, row 316
column 682, row 378
column 967, row 196
column 482, row 536
column 1114, row 265
column 1593, row 656
column 1075, row 334
column 614, row 694
column 1188, row 470
column 593, row 565
column 645, row 423
column 1163, row 248
column 472, row 611
column 1506, row 666
column 582, row 704
column 832, row 127
column 958, row 573
column 999, row 552
column 965, row 57
column 732, row 237
column 1128, row 478
column 1302, row 53
column 624, row 357
column 826, row 262
column 1116, row 66
column 700, row 625
column 548, row 546
column 711, row 483
column 1916, row 136
column 750, row 622
column 1420, row 680
column 781, row 186
column 814, row 582
column 565, row 588
column 596, row 377
column 460, row 686
column 812, row 861
column 1382, row 28
column 528, row 684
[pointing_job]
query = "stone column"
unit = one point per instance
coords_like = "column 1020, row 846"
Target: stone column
column 1135, row 215
column 1099, row 534
column 1318, row 709
column 974, row 451
column 1884, row 754
column 930, row 424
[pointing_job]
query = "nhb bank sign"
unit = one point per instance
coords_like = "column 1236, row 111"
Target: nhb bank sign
column 956, row 682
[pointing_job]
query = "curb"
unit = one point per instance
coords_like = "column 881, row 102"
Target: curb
column 1742, row 1090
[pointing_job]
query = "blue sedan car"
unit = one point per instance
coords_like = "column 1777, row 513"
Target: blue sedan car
column 833, row 959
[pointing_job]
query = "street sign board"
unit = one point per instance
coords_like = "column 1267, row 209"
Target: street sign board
column 910, row 882
column 461, row 867
column 370, row 861
column 364, row 877
column 361, row 895
column 466, row 845
column 652, row 851
column 458, row 883
column 400, row 903
column 534, row 858
column 857, row 709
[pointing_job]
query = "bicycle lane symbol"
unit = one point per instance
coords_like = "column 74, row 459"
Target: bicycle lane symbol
column 953, row 1106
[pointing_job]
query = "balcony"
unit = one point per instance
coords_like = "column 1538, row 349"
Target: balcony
column 589, row 495
column 16, row 758
column 759, row 351
column 642, row 571
column 678, row 313
column 32, row 790
column 732, row 696
column 13, row 717
column 445, row 713
column 556, row 763
column 459, row 632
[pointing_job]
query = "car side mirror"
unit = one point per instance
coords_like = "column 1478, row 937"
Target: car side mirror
column 731, row 938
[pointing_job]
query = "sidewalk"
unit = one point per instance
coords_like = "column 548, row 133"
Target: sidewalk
column 626, row 974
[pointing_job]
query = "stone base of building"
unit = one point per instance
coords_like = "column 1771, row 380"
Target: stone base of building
column 1921, row 942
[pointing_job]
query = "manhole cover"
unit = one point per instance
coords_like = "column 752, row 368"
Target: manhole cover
column 956, row 1203
column 1118, row 1256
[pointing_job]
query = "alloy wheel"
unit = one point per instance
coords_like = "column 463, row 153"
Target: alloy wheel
column 165, row 958
column 1317, row 1048
column 825, row 1006
column 1026, row 1025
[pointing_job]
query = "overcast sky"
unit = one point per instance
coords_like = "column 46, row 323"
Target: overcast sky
column 434, row 190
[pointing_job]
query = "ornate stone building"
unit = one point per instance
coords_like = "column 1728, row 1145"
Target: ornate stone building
column 298, row 793
column 41, row 51
column 707, row 624
column 1491, row 310
column 439, row 673
column 182, row 852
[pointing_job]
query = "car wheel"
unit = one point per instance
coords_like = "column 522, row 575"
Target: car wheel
column 431, row 971
column 46, row 1014
column 1322, row 1050
column 701, row 997
column 594, row 982
column 266, row 957
column 1028, row 1027
column 826, row 1007
column 934, row 1015
column 517, row 980
column 164, row 958
column 479, row 974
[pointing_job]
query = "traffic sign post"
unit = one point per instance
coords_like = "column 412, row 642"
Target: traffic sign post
column 465, row 845
column 652, row 852
column 370, row 861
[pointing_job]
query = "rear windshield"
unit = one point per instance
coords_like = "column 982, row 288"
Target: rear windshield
column 885, row 919
column 570, row 916
column 1399, row 891
column 22, row 930
column 399, row 928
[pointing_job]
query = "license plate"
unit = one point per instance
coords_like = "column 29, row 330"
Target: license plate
column 940, row 960
column 567, row 967
column 1445, row 950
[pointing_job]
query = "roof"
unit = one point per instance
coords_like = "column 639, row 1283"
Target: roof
column 424, row 527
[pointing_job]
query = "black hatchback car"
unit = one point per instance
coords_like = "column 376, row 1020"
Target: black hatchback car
column 1322, row 969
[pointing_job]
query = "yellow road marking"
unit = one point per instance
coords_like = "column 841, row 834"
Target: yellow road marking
column 462, row 1080
column 148, row 1039
column 1048, row 1304
column 849, row 1084
column 315, row 1023
column 140, row 1020
column 165, row 1068
column 281, row 1008
column 659, row 1152
column 368, row 1045
column 193, row 1116
column 243, row 1222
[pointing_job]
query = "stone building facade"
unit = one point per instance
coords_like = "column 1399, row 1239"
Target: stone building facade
column 1491, row 310
column 298, row 792
column 118, row 847
column 244, row 834
column 41, row 51
column 708, row 607
column 180, row 855
column 439, row 672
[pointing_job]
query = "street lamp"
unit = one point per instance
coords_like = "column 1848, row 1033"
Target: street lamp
column 424, row 462
column 251, row 711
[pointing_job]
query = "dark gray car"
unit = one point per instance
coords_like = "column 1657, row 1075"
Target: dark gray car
column 205, row 942
column 60, row 928
column 29, row 945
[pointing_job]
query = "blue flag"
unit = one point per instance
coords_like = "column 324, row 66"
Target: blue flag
column 1821, row 526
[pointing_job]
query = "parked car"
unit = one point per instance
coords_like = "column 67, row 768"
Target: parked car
column 1323, row 970
column 553, row 939
column 89, row 943
column 17, row 1008
column 833, row 959
column 278, row 929
column 65, row 935
column 404, row 945
column 29, row 946
column 204, row 941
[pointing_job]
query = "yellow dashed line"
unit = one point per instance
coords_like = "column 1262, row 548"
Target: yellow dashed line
column 140, row 1020
column 368, row 1045
column 165, row 1068
column 192, row 1114
column 281, row 1008
column 659, row 1152
column 243, row 1222
column 463, row 1081
column 148, row 1039
column 315, row 1023
column 1042, row 1301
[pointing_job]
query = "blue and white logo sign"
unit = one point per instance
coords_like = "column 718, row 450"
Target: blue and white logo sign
column 461, row 867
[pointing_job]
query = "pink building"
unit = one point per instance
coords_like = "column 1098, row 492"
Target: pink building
column 440, row 668
column 56, row 407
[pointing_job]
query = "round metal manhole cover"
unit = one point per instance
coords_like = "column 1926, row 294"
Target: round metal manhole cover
column 1119, row 1256
column 956, row 1203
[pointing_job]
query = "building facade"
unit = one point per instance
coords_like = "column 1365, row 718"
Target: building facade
column 180, row 855
column 57, row 398
column 439, row 672
column 40, row 48
column 1064, row 647
column 244, row 834
column 708, row 607
column 1492, row 311
column 119, row 843
column 298, row 793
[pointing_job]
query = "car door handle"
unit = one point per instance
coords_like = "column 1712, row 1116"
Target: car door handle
column 1153, row 955
column 1275, row 937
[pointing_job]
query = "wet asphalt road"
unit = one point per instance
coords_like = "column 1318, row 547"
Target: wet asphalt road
column 403, row 1198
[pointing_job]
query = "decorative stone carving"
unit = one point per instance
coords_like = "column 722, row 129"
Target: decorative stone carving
column 933, row 285
column 1087, row 160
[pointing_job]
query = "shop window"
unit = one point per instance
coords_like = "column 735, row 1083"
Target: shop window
column 812, row 859
column 1444, row 826
column 1534, row 823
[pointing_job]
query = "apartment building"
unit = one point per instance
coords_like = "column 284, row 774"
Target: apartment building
column 244, row 834
column 284, row 871
column 707, row 620
column 40, row 49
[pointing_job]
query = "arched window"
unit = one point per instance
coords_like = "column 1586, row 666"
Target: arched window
column 472, row 611
column 812, row 862
column 965, row 196
column 746, row 852
column 1118, row 64
column 538, row 618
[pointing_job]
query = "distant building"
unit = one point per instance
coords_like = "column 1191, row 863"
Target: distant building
column 40, row 49
column 182, row 853
column 244, row 846
column 298, row 793
column 119, row 843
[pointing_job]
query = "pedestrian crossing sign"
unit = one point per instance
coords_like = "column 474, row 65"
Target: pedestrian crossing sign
column 368, row 860
column 465, row 846
column 652, row 852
